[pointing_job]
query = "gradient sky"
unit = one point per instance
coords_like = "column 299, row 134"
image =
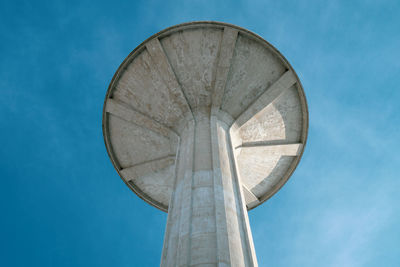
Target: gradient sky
column 63, row 204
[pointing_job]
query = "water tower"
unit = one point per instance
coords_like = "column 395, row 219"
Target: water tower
column 205, row 121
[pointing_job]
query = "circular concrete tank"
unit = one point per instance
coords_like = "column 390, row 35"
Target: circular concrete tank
column 205, row 100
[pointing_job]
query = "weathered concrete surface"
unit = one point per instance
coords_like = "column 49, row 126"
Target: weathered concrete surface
column 205, row 120
column 207, row 222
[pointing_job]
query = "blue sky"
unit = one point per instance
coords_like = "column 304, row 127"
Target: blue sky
column 63, row 204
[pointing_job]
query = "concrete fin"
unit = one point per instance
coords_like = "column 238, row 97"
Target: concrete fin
column 251, row 199
column 124, row 112
column 227, row 48
column 272, row 93
column 147, row 167
column 282, row 149
column 263, row 168
column 166, row 72
column 193, row 57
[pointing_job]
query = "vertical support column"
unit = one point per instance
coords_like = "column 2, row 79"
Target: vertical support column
column 234, row 248
column 203, row 235
column 207, row 221
column 177, row 235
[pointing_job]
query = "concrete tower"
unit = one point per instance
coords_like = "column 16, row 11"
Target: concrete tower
column 205, row 121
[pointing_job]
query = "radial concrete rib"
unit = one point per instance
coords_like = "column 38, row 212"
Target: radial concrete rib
column 224, row 62
column 250, row 198
column 284, row 150
column 272, row 93
column 147, row 167
column 166, row 72
column 124, row 112
column 265, row 143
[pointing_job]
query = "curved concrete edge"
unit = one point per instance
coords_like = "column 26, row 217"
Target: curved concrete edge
column 197, row 24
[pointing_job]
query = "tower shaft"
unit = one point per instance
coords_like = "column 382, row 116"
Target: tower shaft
column 207, row 217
